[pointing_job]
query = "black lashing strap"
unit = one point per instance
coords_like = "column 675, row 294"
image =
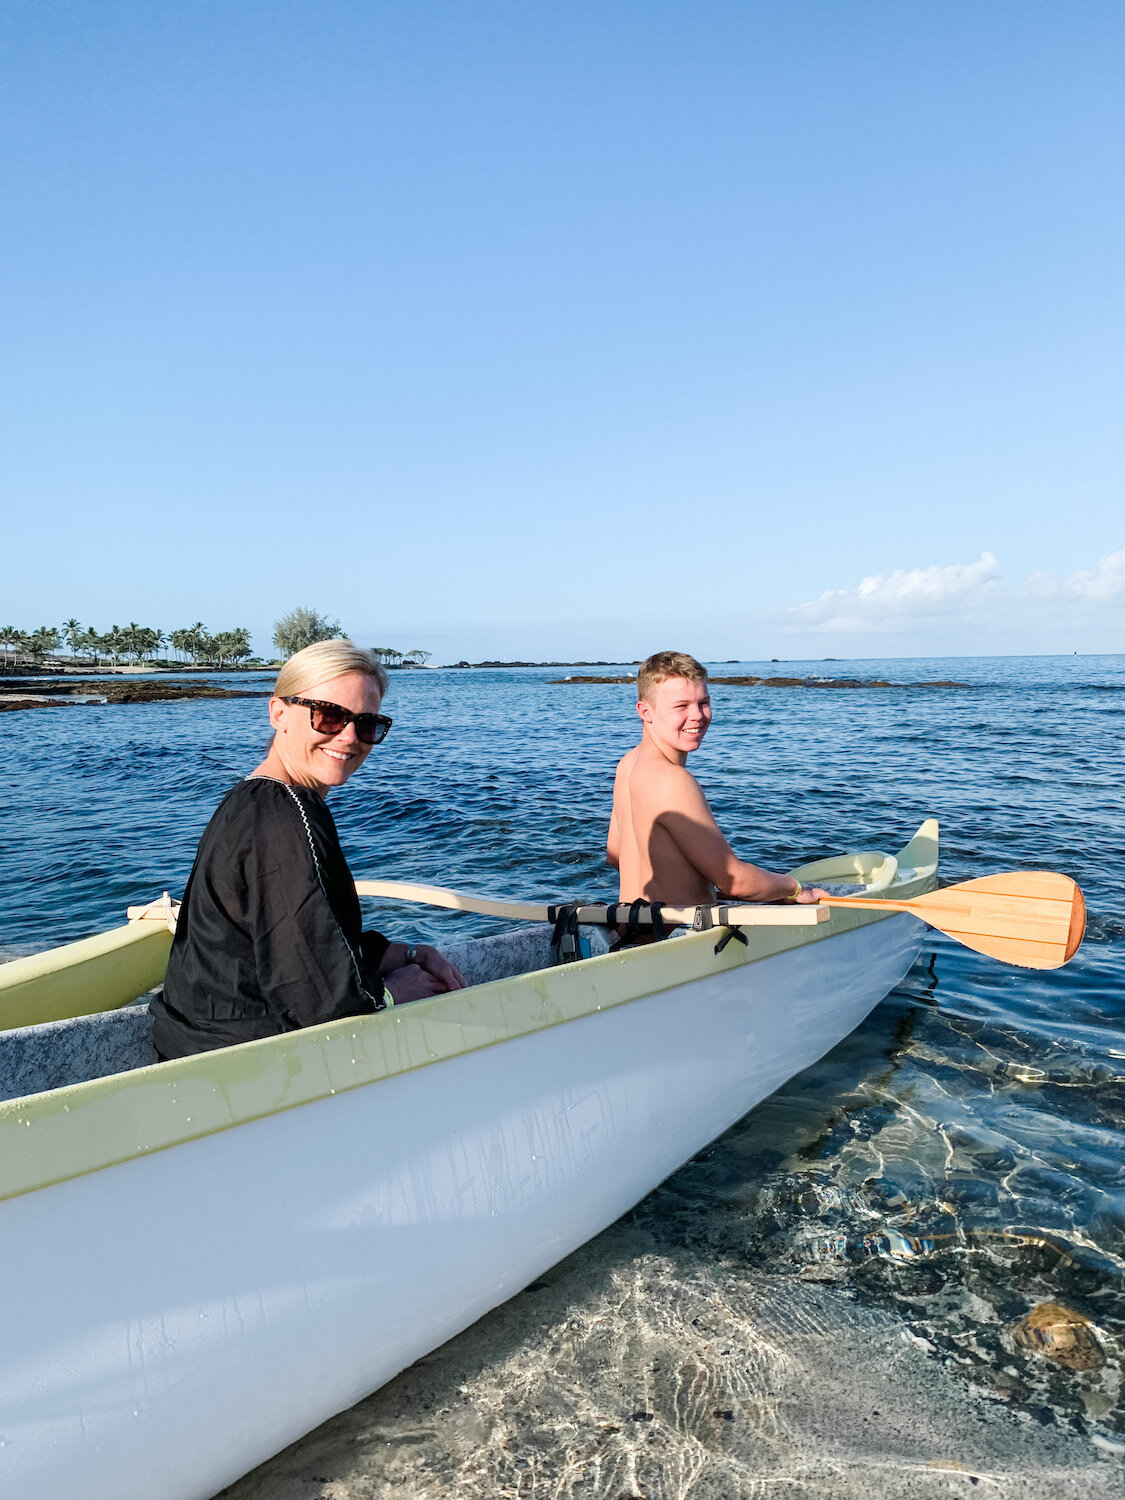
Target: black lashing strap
column 632, row 923
column 565, row 947
column 731, row 932
column 704, row 921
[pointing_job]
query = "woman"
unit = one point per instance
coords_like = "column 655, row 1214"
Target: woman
column 269, row 937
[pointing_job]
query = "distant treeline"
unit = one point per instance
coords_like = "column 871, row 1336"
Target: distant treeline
column 192, row 644
column 134, row 643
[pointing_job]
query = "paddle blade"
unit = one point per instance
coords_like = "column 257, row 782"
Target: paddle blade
column 1032, row 918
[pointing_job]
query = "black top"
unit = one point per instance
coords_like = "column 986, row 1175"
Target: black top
column 269, row 936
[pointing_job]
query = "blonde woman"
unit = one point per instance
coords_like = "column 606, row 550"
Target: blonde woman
column 269, row 936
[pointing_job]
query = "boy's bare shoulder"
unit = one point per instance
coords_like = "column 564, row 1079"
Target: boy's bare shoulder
column 661, row 780
column 625, row 764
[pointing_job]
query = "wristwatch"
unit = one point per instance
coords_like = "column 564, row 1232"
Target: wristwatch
column 411, row 954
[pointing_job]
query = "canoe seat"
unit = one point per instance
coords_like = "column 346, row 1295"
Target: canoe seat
column 34, row 1059
column 521, row 950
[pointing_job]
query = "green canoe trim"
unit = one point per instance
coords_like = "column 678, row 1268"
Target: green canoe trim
column 79, row 979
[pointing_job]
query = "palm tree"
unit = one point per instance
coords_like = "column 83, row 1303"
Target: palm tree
column 190, row 640
column 146, row 641
column 42, row 640
column 10, row 637
column 72, row 632
column 91, row 641
column 228, row 645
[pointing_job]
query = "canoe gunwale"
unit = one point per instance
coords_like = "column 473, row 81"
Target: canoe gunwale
column 83, row 978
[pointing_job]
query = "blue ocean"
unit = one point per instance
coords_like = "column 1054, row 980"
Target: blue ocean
column 956, row 1163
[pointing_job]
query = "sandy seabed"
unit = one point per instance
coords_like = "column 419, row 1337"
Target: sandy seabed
column 629, row 1371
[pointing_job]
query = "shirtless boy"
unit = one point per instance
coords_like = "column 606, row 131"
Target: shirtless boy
column 662, row 836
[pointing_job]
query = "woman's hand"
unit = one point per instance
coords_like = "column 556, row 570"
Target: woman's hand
column 412, row 982
column 430, row 974
column 434, row 962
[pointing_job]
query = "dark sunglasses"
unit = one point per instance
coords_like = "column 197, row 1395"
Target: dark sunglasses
column 330, row 718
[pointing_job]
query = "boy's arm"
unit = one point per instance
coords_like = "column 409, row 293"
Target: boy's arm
column 688, row 820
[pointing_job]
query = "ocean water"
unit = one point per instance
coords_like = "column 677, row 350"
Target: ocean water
column 955, row 1163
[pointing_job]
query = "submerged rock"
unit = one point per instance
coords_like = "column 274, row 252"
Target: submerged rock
column 1062, row 1335
column 17, row 696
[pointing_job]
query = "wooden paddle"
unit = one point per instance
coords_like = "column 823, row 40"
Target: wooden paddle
column 1031, row 918
column 724, row 915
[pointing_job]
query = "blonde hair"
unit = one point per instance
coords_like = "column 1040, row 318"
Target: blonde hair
column 662, row 665
column 324, row 660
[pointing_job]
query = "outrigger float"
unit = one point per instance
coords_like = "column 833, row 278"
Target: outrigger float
column 203, row 1259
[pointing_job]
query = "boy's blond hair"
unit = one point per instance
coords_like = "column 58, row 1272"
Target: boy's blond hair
column 662, row 665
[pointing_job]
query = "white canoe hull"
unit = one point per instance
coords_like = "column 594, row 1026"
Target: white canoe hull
column 172, row 1321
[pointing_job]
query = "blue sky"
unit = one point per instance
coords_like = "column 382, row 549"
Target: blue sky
column 542, row 330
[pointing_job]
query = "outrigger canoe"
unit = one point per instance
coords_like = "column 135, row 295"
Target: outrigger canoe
column 203, row 1259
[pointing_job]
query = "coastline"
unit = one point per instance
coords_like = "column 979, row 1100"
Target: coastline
column 16, row 696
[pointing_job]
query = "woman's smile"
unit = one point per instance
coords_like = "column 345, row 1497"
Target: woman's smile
column 320, row 761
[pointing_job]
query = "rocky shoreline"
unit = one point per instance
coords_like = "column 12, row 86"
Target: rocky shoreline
column 18, row 695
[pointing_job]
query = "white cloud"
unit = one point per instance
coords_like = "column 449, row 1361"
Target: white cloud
column 919, row 599
column 1103, row 584
column 906, row 599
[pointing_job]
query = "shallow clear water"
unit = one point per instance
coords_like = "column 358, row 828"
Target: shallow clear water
column 956, row 1161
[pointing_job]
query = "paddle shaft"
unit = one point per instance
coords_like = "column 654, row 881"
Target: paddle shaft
column 877, row 903
column 720, row 914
